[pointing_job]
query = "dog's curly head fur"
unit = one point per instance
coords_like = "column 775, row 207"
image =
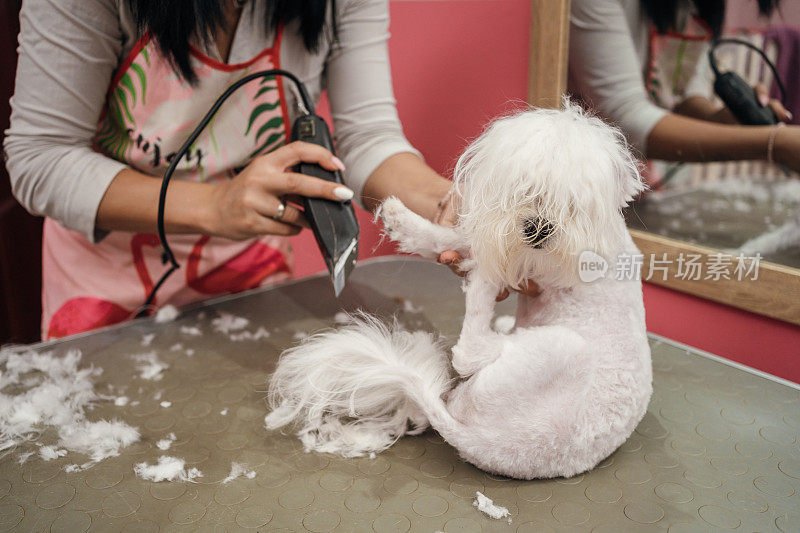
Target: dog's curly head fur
column 538, row 188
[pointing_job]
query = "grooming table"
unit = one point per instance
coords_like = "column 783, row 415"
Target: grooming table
column 718, row 447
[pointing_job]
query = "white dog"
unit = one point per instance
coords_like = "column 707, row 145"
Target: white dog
column 560, row 392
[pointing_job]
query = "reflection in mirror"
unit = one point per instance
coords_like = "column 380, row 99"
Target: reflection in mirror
column 744, row 208
column 740, row 207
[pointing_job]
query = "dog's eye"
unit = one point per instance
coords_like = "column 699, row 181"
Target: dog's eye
column 536, row 231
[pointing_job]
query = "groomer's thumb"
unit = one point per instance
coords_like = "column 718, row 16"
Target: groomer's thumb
column 762, row 94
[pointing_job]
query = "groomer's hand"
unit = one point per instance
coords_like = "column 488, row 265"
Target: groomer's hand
column 249, row 205
column 762, row 93
column 452, row 258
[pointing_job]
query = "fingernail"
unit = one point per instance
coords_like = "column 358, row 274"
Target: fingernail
column 338, row 163
column 763, row 99
column 789, row 115
column 343, row 193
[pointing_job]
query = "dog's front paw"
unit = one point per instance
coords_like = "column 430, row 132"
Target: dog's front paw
column 415, row 234
column 392, row 212
column 406, row 228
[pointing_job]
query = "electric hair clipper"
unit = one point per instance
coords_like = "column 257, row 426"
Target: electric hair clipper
column 736, row 93
column 741, row 100
column 334, row 223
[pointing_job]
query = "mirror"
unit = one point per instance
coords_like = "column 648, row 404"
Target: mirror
column 729, row 231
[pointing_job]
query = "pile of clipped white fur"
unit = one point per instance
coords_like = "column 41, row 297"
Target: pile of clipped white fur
column 38, row 390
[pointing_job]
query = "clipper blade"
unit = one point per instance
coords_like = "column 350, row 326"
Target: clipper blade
column 343, row 266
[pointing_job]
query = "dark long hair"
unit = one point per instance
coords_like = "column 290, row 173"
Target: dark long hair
column 664, row 13
column 174, row 23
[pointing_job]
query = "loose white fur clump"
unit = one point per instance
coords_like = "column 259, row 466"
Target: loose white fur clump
column 260, row 333
column 23, row 457
column 168, row 313
column 48, row 453
column 193, row 331
column 488, row 507
column 78, row 468
column 165, row 443
column 367, row 409
column 150, row 367
column 58, row 394
column 239, row 470
column 551, row 397
column 99, row 439
column 167, row 469
column 227, row 323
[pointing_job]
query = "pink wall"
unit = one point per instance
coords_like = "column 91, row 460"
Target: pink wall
column 455, row 65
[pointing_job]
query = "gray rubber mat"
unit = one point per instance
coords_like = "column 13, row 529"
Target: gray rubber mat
column 718, row 447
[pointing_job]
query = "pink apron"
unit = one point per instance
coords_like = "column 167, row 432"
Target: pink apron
column 148, row 114
column 673, row 60
column 674, row 57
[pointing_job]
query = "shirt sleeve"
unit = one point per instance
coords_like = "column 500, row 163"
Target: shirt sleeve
column 68, row 51
column 604, row 69
column 367, row 128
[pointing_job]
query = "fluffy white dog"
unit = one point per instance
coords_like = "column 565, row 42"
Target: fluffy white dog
column 560, row 392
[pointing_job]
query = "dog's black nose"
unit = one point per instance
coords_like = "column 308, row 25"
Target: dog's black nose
column 536, row 230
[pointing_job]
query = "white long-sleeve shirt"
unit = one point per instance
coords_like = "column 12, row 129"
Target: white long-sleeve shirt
column 70, row 49
column 608, row 58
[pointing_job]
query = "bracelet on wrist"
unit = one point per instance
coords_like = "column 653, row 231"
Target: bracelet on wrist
column 771, row 142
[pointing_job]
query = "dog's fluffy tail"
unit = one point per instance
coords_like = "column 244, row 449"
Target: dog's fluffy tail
column 358, row 389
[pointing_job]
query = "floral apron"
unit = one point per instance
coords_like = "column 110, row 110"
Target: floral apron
column 674, row 58
column 149, row 113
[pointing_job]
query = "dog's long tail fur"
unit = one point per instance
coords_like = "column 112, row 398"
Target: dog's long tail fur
column 358, row 389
